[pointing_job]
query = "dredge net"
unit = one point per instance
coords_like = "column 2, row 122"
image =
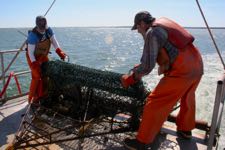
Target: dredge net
column 82, row 102
column 86, row 93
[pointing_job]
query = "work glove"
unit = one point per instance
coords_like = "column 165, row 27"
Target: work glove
column 61, row 54
column 128, row 80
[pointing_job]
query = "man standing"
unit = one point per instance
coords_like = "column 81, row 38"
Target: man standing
column 171, row 47
column 39, row 42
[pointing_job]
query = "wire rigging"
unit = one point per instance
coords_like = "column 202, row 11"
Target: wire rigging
column 49, row 7
column 214, row 42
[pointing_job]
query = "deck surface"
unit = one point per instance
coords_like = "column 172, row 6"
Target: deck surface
column 10, row 118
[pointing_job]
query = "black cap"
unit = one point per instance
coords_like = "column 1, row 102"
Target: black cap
column 142, row 16
column 41, row 22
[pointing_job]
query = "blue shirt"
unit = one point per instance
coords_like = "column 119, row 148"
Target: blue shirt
column 34, row 38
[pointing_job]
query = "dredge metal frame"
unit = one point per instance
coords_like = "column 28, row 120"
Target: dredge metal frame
column 42, row 126
column 91, row 103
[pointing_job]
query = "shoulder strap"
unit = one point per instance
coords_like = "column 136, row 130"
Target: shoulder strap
column 47, row 33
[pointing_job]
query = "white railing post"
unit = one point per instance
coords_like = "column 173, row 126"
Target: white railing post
column 217, row 113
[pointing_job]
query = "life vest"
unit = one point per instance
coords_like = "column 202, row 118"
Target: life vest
column 177, row 36
column 42, row 48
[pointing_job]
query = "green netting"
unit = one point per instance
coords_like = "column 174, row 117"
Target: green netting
column 66, row 74
column 85, row 92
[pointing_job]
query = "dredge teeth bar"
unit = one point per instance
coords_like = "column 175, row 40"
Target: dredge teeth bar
column 42, row 126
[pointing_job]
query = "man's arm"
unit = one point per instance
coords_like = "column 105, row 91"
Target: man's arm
column 54, row 42
column 58, row 50
column 30, row 49
column 155, row 40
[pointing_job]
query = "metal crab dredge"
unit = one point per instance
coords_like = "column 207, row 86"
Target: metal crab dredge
column 82, row 102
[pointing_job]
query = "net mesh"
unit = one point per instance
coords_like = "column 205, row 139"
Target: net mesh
column 84, row 92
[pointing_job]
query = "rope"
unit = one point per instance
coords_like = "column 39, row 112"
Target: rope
column 22, row 33
column 214, row 42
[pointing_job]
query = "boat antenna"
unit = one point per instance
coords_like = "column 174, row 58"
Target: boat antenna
column 22, row 46
column 214, row 42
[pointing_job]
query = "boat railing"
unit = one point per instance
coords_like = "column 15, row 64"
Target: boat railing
column 217, row 114
column 6, row 74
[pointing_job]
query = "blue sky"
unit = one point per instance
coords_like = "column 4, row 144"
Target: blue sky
column 64, row 13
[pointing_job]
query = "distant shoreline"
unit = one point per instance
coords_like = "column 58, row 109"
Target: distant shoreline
column 109, row 27
column 204, row 27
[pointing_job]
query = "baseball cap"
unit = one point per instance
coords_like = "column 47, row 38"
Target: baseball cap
column 142, row 16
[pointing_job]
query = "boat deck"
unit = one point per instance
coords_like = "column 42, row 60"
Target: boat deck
column 10, row 118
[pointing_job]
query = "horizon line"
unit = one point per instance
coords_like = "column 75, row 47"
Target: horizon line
column 194, row 27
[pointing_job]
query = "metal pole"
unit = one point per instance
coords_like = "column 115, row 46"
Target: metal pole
column 216, row 110
column 214, row 42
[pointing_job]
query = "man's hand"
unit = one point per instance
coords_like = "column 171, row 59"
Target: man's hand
column 135, row 68
column 127, row 80
column 61, row 54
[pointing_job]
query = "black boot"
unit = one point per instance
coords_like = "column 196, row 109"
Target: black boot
column 184, row 134
column 134, row 144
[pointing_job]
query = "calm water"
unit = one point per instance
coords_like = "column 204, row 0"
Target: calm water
column 118, row 49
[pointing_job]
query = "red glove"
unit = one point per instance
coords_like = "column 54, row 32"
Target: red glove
column 127, row 80
column 61, row 54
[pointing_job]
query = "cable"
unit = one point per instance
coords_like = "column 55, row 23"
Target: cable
column 214, row 42
column 49, row 8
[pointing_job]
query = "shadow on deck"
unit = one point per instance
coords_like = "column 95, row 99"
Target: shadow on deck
column 166, row 139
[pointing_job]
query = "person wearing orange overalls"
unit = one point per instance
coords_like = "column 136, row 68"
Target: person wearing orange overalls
column 171, row 47
column 38, row 46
